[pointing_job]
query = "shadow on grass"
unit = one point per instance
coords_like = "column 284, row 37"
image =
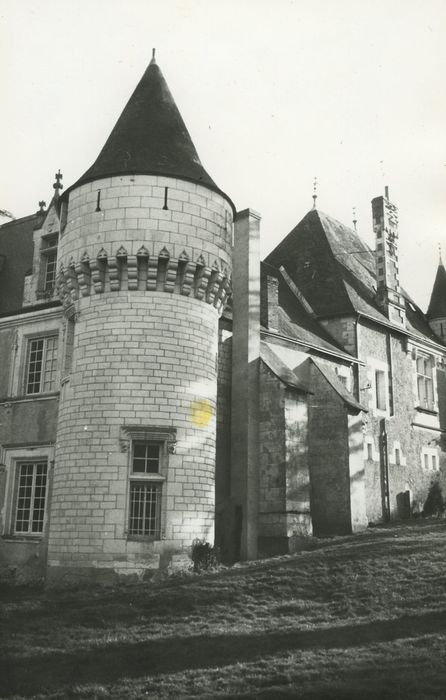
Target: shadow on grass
column 50, row 672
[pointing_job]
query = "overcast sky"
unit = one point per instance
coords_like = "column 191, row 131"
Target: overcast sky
column 273, row 93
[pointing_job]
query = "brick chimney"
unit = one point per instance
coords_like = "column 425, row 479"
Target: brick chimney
column 385, row 226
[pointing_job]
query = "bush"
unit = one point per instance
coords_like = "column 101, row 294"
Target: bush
column 204, row 556
column 434, row 504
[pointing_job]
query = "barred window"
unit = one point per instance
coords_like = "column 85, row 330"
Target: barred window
column 41, row 365
column 31, row 494
column 145, row 508
column 145, row 494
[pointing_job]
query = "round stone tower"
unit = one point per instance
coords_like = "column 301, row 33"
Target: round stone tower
column 144, row 273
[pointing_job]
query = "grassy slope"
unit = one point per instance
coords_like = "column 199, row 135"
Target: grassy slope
column 359, row 617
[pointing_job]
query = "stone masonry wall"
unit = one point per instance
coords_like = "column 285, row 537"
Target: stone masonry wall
column 328, row 454
column 284, row 508
column 197, row 221
column 272, row 477
column 407, row 443
column 148, row 363
column 223, row 451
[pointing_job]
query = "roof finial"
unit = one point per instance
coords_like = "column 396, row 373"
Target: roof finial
column 58, row 185
column 153, row 56
column 42, row 205
column 355, row 220
column 314, row 192
column 439, row 254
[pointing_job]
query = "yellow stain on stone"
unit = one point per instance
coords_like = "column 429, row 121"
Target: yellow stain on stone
column 202, row 412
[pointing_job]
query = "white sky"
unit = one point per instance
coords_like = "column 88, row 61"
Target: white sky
column 273, row 93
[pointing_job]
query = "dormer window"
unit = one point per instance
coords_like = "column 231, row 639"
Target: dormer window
column 49, row 261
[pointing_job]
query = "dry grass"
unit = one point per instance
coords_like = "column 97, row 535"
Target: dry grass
column 358, row 617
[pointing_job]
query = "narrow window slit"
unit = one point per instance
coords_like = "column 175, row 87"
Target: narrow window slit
column 166, row 189
column 98, row 201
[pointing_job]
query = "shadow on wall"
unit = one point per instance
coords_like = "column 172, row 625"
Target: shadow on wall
column 434, row 504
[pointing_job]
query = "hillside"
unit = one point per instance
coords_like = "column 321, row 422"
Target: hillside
column 356, row 617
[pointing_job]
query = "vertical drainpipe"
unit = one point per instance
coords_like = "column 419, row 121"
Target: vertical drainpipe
column 390, row 360
column 356, row 366
column 245, row 377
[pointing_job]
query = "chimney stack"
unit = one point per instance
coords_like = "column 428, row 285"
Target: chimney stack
column 385, row 226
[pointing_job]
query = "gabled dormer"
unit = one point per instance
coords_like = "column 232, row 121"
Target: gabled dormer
column 40, row 283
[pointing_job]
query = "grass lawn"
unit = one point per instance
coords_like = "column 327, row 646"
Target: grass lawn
column 355, row 617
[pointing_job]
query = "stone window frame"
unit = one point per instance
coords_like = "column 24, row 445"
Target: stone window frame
column 165, row 438
column 374, row 366
column 432, row 457
column 426, row 355
column 11, row 459
column 345, row 376
column 24, row 374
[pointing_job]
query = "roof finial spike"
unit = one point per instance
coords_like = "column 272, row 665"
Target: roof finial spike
column 314, row 192
column 355, row 220
column 153, row 56
column 58, row 185
column 439, row 254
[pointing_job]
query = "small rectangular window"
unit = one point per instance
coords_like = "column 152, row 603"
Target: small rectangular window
column 370, row 451
column 30, row 497
column 146, row 458
column 380, row 386
column 50, row 271
column 397, row 456
column 41, row 365
column 434, row 462
column 425, row 384
column 426, row 461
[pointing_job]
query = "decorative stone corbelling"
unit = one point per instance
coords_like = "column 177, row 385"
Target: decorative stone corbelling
column 142, row 271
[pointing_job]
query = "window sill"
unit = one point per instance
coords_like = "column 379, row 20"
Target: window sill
column 30, row 397
column 428, row 411
column 143, row 538
column 29, row 539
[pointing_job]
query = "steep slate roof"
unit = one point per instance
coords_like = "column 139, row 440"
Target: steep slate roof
column 16, row 245
column 437, row 304
column 150, row 137
column 295, row 322
column 338, row 386
column 280, row 369
column 335, row 271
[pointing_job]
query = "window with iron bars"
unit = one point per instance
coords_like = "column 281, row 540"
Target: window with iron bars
column 31, row 494
column 41, row 365
column 145, row 492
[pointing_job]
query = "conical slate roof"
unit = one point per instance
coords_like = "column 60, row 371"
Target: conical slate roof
column 150, row 137
column 437, row 305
